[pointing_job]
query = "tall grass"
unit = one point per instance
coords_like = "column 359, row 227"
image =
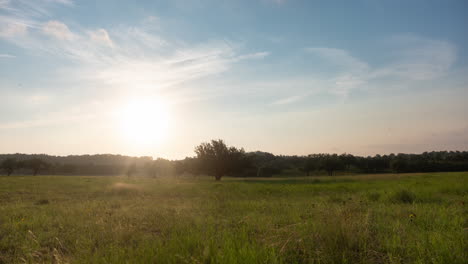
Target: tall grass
column 383, row 219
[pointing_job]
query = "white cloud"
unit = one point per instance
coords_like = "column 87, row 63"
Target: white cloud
column 63, row 2
column 352, row 72
column 343, row 84
column 340, row 57
column 7, row 56
column 21, row 15
column 58, row 30
column 418, row 58
column 158, row 71
column 10, row 29
column 54, row 119
column 278, row 2
column 257, row 55
column 132, row 57
column 127, row 60
column 411, row 58
column 25, row 8
column 101, row 36
column 288, row 100
column 4, row 4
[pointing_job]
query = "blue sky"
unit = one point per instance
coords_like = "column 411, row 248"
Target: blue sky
column 284, row 76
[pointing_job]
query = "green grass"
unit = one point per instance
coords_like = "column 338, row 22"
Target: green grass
column 354, row 219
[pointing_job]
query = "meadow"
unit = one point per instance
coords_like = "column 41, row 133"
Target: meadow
column 387, row 218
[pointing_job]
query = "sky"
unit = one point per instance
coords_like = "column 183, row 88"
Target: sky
column 292, row 77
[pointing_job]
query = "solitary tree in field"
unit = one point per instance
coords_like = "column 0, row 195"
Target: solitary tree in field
column 9, row 165
column 217, row 159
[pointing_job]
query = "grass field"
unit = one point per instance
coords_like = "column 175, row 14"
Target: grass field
column 406, row 218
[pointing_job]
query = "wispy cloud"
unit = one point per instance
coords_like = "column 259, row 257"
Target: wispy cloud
column 11, row 28
column 256, row 55
column 4, row 3
column 412, row 58
column 288, row 100
column 57, row 30
column 350, row 73
column 278, row 2
column 132, row 59
column 54, row 119
column 7, row 56
column 28, row 8
column 340, row 57
column 101, row 36
column 418, row 58
column 63, row 2
column 123, row 56
column 19, row 16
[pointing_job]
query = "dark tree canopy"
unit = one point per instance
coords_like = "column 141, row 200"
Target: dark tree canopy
column 217, row 159
column 9, row 165
column 36, row 165
column 310, row 164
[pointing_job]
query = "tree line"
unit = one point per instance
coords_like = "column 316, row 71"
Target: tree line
column 217, row 159
column 35, row 165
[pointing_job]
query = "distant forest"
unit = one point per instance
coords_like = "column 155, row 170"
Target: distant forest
column 217, row 159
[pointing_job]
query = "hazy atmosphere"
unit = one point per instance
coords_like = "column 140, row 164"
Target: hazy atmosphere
column 283, row 76
column 234, row 131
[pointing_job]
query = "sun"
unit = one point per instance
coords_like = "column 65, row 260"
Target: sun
column 144, row 121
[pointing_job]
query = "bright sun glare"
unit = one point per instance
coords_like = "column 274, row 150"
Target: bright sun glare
column 144, row 121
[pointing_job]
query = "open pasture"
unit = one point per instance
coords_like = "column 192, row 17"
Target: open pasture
column 404, row 218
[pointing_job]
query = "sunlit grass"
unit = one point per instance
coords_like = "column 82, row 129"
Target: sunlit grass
column 357, row 219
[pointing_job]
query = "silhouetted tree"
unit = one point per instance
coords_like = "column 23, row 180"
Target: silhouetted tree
column 217, row 159
column 9, row 165
column 260, row 164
